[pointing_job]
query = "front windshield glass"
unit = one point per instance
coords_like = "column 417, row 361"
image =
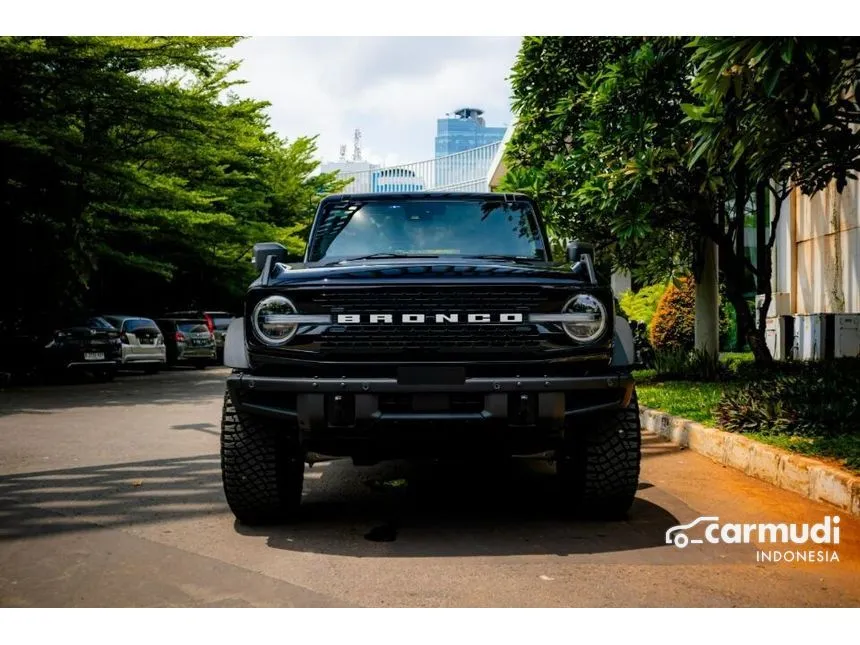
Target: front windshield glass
column 427, row 227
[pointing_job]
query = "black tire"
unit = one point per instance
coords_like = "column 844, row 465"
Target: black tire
column 262, row 467
column 599, row 465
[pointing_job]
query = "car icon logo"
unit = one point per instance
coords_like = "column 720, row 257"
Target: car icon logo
column 676, row 536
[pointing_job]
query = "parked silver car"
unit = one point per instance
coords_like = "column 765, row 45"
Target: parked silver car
column 142, row 343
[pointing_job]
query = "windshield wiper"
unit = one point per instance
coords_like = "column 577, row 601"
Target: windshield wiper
column 381, row 256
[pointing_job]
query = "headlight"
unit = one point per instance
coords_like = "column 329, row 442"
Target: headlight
column 274, row 320
column 591, row 318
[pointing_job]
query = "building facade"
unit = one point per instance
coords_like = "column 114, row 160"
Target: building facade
column 463, row 132
column 815, row 310
column 358, row 173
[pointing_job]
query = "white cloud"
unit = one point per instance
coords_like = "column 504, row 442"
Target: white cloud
column 392, row 88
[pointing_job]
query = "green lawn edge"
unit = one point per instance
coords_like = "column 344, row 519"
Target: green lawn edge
column 698, row 401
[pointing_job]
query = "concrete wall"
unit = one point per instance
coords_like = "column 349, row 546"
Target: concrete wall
column 827, row 252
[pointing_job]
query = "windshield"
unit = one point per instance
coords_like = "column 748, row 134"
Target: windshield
column 427, row 227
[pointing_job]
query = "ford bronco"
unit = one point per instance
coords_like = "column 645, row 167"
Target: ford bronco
column 422, row 326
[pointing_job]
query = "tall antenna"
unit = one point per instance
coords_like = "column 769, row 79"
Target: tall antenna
column 356, row 145
column 342, row 153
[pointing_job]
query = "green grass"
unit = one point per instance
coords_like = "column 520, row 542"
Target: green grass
column 698, row 401
column 844, row 450
column 694, row 401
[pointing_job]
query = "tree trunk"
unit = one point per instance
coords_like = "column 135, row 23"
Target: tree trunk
column 708, row 302
column 740, row 198
column 734, row 273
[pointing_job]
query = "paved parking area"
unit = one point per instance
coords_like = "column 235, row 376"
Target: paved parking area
column 110, row 495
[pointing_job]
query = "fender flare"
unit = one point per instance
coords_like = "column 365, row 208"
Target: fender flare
column 623, row 349
column 235, row 350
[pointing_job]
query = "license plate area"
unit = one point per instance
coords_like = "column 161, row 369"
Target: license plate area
column 431, row 375
column 424, row 403
column 94, row 356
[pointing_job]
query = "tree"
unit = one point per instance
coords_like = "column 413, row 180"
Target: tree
column 134, row 177
column 784, row 112
column 656, row 147
column 610, row 138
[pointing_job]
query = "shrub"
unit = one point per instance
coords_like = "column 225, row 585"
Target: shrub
column 736, row 362
column 798, row 399
column 728, row 323
column 642, row 305
column 694, row 365
column 674, row 324
column 670, row 364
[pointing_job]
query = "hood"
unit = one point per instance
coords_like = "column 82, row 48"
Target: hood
column 423, row 270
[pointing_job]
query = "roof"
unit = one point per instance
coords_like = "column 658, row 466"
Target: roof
column 420, row 195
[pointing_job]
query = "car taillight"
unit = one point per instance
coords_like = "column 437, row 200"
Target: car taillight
column 210, row 323
column 180, row 337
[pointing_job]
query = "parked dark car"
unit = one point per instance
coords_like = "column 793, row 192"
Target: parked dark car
column 216, row 321
column 188, row 341
column 74, row 345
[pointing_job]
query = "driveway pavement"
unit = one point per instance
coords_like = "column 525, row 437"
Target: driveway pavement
column 110, row 495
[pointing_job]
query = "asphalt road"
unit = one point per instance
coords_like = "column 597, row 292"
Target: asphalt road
column 110, row 495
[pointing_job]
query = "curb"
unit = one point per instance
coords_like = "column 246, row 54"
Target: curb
column 802, row 475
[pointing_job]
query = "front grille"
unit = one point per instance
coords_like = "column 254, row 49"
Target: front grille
column 426, row 338
column 431, row 300
column 430, row 337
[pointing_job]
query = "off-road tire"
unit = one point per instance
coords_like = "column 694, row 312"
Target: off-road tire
column 598, row 467
column 262, row 467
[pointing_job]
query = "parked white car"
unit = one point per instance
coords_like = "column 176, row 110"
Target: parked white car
column 142, row 343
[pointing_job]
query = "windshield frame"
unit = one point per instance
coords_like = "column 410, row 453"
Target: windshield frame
column 530, row 208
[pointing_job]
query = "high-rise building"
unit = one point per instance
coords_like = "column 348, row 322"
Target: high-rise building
column 465, row 131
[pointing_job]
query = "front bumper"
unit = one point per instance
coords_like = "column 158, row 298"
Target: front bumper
column 327, row 410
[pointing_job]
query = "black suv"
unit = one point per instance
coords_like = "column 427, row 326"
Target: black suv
column 426, row 325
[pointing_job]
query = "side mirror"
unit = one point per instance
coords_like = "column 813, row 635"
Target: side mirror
column 264, row 249
column 581, row 257
column 576, row 249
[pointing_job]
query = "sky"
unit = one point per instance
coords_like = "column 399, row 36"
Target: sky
column 392, row 88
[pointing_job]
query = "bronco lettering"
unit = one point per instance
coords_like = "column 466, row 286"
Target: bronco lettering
column 377, row 319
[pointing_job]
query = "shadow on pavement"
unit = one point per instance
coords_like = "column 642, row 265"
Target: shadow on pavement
column 408, row 510
column 164, row 388
column 114, row 495
column 394, row 510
